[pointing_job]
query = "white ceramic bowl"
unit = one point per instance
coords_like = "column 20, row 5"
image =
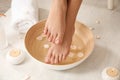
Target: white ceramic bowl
column 34, row 47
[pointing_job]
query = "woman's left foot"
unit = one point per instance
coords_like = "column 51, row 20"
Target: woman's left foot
column 58, row 53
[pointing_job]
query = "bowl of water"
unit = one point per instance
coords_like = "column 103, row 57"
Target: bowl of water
column 82, row 46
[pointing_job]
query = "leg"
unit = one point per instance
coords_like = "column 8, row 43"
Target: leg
column 55, row 25
column 73, row 7
column 57, row 53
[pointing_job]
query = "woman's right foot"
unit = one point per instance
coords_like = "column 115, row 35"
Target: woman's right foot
column 56, row 23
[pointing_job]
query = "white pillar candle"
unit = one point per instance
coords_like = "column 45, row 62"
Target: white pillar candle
column 110, row 73
column 15, row 56
column 110, row 4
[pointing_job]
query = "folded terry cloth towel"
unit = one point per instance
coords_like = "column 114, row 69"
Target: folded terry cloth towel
column 24, row 14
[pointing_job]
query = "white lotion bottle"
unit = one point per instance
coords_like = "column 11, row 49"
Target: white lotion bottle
column 3, row 39
column 110, row 4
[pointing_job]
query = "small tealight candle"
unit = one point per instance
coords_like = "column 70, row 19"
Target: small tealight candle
column 111, row 73
column 15, row 53
column 15, row 56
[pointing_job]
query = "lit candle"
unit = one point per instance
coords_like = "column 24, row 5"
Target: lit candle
column 15, row 56
column 111, row 73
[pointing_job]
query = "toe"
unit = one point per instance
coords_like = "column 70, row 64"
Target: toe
column 48, row 57
column 50, row 38
column 45, row 30
column 60, row 57
column 64, row 56
column 52, row 59
column 59, row 38
column 54, row 37
column 48, row 35
column 56, row 59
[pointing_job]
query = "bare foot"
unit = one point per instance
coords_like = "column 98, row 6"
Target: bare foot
column 58, row 53
column 55, row 25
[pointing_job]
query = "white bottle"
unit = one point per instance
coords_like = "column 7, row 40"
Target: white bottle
column 110, row 4
column 3, row 40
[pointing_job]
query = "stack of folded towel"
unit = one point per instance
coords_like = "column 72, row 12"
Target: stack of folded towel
column 24, row 14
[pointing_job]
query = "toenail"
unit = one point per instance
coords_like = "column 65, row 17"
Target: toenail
column 44, row 31
column 47, row 61
column 57, row 41
column 49, row 40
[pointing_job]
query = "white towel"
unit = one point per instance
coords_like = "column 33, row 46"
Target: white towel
column 24, row 14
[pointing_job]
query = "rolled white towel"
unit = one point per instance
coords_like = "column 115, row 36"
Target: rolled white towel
column 24, row 14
